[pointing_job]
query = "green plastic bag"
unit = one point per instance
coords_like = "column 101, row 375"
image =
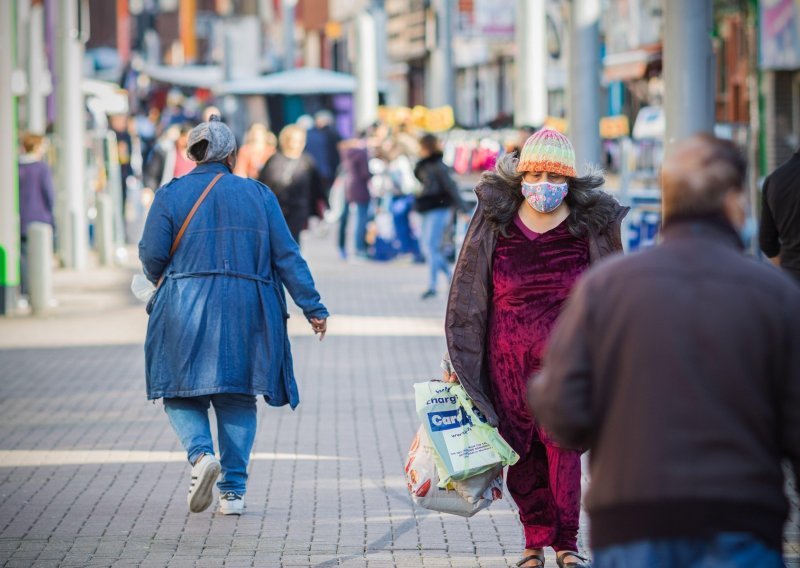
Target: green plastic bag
column 464, row 443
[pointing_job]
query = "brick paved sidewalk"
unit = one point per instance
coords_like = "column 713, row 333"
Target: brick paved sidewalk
column 92, row 475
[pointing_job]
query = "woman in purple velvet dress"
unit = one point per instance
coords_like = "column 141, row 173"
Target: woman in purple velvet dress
column 537, row 228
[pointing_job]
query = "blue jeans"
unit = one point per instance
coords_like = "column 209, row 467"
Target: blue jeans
column 362, row 216
column 727, row 550
column 434, row 223
column 343, row 218
column 401, row 211
column 236, row 431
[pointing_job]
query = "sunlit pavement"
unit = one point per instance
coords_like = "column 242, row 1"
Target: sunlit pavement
column 92, row 475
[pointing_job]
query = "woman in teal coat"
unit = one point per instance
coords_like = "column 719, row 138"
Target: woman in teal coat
column 217, row 331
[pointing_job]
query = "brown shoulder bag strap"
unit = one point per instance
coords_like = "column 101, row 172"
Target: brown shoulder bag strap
column 191, row 214
column 186, row 221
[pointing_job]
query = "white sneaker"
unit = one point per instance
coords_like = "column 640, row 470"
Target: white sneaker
column 231, row 503
column 204, row 474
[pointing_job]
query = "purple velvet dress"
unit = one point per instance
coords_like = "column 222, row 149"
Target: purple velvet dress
column 533, row 275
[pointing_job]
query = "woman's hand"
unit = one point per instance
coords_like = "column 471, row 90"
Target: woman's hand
column 450, row 377
column 448, row 373
column 320, row 326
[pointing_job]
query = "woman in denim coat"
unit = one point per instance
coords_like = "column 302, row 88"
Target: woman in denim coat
column 217, row 330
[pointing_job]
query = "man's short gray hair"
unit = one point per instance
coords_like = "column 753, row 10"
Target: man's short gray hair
column 211, row 141
column 698, row 174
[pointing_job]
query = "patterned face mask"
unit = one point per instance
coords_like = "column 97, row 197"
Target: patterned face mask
column 544, row 196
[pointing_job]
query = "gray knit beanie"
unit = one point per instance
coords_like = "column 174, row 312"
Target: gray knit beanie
column 218, row 138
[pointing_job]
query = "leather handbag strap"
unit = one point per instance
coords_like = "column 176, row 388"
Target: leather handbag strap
column 191, row 214
column 186, row 221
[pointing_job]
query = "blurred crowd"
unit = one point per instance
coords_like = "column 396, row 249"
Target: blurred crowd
column 391, row 192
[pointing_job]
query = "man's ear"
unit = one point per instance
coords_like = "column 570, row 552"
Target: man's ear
column 734, row 208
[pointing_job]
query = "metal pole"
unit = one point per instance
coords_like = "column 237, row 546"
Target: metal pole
column 70, row 133
column 38, row 75
column 40, row 266
column 288, row 33
column 366, row 96
column 382, row 39
column 9, row 202
column 688, row 69
column 531, row 63
column 104, row 229
column 440, row 76
column 584, row 82
column 115, row 185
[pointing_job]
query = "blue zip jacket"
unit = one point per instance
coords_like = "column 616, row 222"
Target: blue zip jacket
column 218, row 321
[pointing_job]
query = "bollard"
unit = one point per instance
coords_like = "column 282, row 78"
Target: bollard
column 39, row 260
column 104, row 229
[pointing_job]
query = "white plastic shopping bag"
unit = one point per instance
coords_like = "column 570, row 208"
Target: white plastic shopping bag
column 142, row 288
column 423, row 483
column 465, row 444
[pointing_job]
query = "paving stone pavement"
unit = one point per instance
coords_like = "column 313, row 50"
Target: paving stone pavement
column 92, row 475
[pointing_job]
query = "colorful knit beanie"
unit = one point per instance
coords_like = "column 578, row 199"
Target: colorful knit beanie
column 548, row 151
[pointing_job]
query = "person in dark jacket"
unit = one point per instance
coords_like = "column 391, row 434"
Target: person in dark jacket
column 294, row 178
column 779, row 234
column 435, row 203
column 679, row 368
column 355, row 166
column 217, row 330
column 322, row 145
column 36, row 195
column 537, row 228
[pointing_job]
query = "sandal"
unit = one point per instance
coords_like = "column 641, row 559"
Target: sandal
column 582, row 561
column 537, row 557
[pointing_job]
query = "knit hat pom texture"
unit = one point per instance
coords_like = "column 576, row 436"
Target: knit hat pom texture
column 548, row 151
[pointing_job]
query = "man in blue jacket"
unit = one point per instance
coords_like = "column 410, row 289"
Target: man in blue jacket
column 217, row 330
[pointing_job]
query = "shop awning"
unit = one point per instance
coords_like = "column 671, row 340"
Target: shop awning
column 630, row 65
column 302, row 81
column 198, row 76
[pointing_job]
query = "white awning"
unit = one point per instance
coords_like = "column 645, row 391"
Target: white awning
column 198, row 76
column 302, row 81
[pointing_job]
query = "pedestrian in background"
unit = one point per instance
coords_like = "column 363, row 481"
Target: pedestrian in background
column 355, row 166
column 36, row 196
column 259, row 146
column 679, row 368
column 403, row 186
column 294, row 178
column 322, row 145
column 217, row 330
column 123, row 130
column 537, row 228
column 435, row 203
column 168, row 159
column 779, row 234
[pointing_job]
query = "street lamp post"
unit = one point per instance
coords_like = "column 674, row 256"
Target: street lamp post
column 70, row 130
column 288, row 15
column 440, row 74
column 584, row 81
column 366, row 96
column 39, row 77
column 9, row 203
column 688, row 69
column 531, row 63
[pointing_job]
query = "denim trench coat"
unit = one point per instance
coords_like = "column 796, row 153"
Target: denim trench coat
column 218, row 321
